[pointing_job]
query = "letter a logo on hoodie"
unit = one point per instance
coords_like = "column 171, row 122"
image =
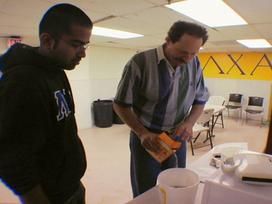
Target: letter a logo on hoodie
column 63, row 107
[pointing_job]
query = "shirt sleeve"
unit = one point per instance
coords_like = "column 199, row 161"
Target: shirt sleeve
column 201, row 91
column 21, row 134
column 128, row 85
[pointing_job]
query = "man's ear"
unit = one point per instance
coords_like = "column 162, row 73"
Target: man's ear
column 47, row 41
column 167, row 39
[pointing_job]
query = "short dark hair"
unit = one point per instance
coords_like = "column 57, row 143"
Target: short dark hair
column 179, row 28
column 59, row 18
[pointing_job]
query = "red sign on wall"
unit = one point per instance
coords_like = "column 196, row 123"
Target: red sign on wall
column 12, row 41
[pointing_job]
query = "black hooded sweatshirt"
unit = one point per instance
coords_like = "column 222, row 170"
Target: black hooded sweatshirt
column 39, row 143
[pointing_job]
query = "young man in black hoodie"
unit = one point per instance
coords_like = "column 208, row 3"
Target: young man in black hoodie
column 41, row 156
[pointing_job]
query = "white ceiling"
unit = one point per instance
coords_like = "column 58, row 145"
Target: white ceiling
column 147, row 17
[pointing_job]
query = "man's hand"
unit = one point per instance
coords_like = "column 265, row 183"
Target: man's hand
column 185, row 131
column 150, row 141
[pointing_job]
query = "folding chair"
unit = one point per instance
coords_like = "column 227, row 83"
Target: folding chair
column 255, row 107
column 235, row 103
column 202, row 125
column 220, row 101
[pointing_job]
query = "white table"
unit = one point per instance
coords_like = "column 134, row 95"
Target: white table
column 228, row 189
column 200, row 166
column 217, row 108
column 154, row 195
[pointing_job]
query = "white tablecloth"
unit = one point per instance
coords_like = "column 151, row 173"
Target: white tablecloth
column 201, row 166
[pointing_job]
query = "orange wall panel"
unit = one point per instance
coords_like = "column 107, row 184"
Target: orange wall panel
column 249, row 66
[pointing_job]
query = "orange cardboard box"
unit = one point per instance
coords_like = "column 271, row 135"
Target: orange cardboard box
column 167, row 145
column 169, row 141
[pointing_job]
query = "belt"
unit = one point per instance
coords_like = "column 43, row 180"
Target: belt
column 168, row 132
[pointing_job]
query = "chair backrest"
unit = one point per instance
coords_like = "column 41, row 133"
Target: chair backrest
column 216, row 100
column 205, row 117
column 236, row 98
column 255, row 101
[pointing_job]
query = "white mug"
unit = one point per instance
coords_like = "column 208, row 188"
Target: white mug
column 178, row 186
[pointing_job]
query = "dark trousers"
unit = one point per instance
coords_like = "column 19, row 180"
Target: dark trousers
column 144, row 170
column 78, row 197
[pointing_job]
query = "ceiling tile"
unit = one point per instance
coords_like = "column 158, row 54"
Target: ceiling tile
column 253, row 11
column 148, row 17
column 265, row 30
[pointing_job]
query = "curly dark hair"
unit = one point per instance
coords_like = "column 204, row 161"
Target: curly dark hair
column 179, row 28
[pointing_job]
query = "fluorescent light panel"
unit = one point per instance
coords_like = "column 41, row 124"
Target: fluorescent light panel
column 107, row 32
column 255, row 43
column 214, row 13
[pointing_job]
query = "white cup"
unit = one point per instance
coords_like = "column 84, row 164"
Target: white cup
column 178, row 186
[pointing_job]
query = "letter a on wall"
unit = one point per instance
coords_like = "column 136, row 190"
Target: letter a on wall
column 259, row 64
column 216, row 64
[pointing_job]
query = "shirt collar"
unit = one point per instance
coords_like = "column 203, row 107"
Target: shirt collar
column 160, row 54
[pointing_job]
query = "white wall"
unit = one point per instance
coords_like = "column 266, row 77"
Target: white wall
column 223, row 87
column 96, row 77
column 80, row 83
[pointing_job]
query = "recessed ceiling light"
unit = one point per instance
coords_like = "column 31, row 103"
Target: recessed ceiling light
column 107, row 32
column 213, row 13
column 255, row 43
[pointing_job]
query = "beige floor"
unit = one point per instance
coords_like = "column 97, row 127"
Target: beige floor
column 107, row 177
